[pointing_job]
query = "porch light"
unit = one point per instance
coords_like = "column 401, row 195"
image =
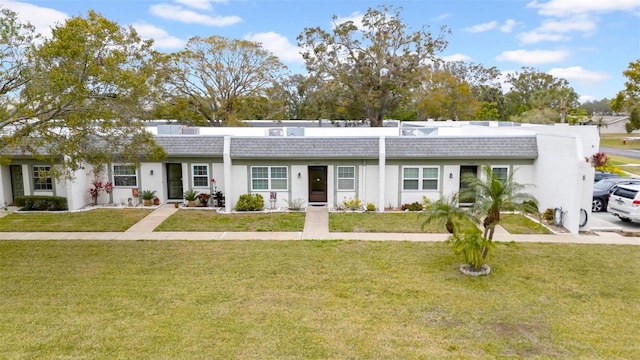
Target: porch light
column 151, row 172
column 450, row 175
column 299, row 175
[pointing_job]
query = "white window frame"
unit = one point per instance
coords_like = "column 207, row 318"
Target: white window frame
column 114, row 175
column 344, row 178
column 421, row 178
column 270, row 178
column 493, row 168
column 200, row 176
column 41, row 184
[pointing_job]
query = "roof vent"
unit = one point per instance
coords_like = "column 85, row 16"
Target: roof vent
column 190, row 131
column 295, row 131
column 276, row 132
column 408, row 132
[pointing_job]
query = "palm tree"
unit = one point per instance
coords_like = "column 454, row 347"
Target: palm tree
column 494, row 195
column 600, row 123
column 445, row 212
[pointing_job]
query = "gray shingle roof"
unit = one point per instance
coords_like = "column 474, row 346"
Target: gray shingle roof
column 499, row 147
column 305, row 147
column 401, row 147
column 191, row 145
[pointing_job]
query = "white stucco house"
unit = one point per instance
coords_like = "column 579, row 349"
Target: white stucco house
column 387, row 166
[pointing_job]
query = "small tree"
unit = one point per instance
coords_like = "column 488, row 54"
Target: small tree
column 494, row 195
column 445, row 211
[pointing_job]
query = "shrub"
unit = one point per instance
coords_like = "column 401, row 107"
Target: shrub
column 250, row 202
column 415, row 206
column 35, row 202
column 371, row 207
column 548, row 214
column 352, row 204
column 295, row 204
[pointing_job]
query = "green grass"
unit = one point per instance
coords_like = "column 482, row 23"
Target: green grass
column 404, row 222
column 520, row 224
column 314, row 299
column 93, row 220
column 205, row 220
column 615, row 141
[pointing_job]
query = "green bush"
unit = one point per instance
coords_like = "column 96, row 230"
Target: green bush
column 250, row 202
column 415, row 206
column 41, row 203
column 352, row 204
column 548, row 214
column 371, row 207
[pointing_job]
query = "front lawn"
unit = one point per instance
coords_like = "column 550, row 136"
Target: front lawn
column 314, row 299
column 82, row 221
column 207, row 220
column 520, row 224
column 402, row 222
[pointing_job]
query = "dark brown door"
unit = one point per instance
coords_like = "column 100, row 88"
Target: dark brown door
column 174, row 181
column 468, row 198
column 317, row 184
column 17, row 184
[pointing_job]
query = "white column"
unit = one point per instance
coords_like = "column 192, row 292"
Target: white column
column 226, row 159
column 382, row 156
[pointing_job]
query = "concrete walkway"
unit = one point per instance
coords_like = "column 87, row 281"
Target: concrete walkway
column 316, row 227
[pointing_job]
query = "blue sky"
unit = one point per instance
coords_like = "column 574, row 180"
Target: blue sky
column 587, row 42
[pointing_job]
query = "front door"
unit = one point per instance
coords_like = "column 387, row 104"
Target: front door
column 469, row 198
column 17, row 183
column 317, row 184
column 174, row 181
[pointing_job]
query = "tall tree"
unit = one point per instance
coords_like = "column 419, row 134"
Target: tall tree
column 371, row 67
column 629, row 98
column 209, row 77
column 531, row 90
column 444, row 96
column 79, row 96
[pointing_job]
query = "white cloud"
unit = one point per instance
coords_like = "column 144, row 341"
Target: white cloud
column 355, row 17
column 556, row 30
column 508, row 26
column 562, row 8
column 42, row 18
column 533, row 37
column 161, row 38
column 200, row 4
column 482, row 27
column 278, row 45
column 533, row 57
column 441, row 17
column 178, row 13
column 579, row 75
column 457, row 57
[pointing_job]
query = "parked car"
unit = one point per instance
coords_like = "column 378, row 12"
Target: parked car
column 603, row 188
column 599, row 175
column 624, row 203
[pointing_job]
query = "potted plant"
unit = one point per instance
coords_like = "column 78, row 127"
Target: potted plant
column 147, row 196
column 203, row 198
column 190, row 196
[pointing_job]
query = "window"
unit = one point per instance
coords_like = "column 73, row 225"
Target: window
column 500, row 172
column 42, row 177
column 346, row 178
column 269, row 178
column 420, row 178
column 125, row 175
column 200, row 175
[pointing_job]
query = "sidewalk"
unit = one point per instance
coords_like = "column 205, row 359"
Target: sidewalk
column 316, row 227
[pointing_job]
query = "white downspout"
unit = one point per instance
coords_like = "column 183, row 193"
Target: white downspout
column 226, row 160
column 382, row 154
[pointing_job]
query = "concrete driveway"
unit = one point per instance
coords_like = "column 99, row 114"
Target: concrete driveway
column 603, row 221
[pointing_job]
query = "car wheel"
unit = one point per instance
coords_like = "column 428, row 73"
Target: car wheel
column 625, row 219
column 597, row 205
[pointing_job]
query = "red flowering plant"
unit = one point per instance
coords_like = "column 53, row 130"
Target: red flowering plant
column 98, row 187
column 600, row 160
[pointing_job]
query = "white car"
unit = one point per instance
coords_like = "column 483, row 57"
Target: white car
column 624, row 203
